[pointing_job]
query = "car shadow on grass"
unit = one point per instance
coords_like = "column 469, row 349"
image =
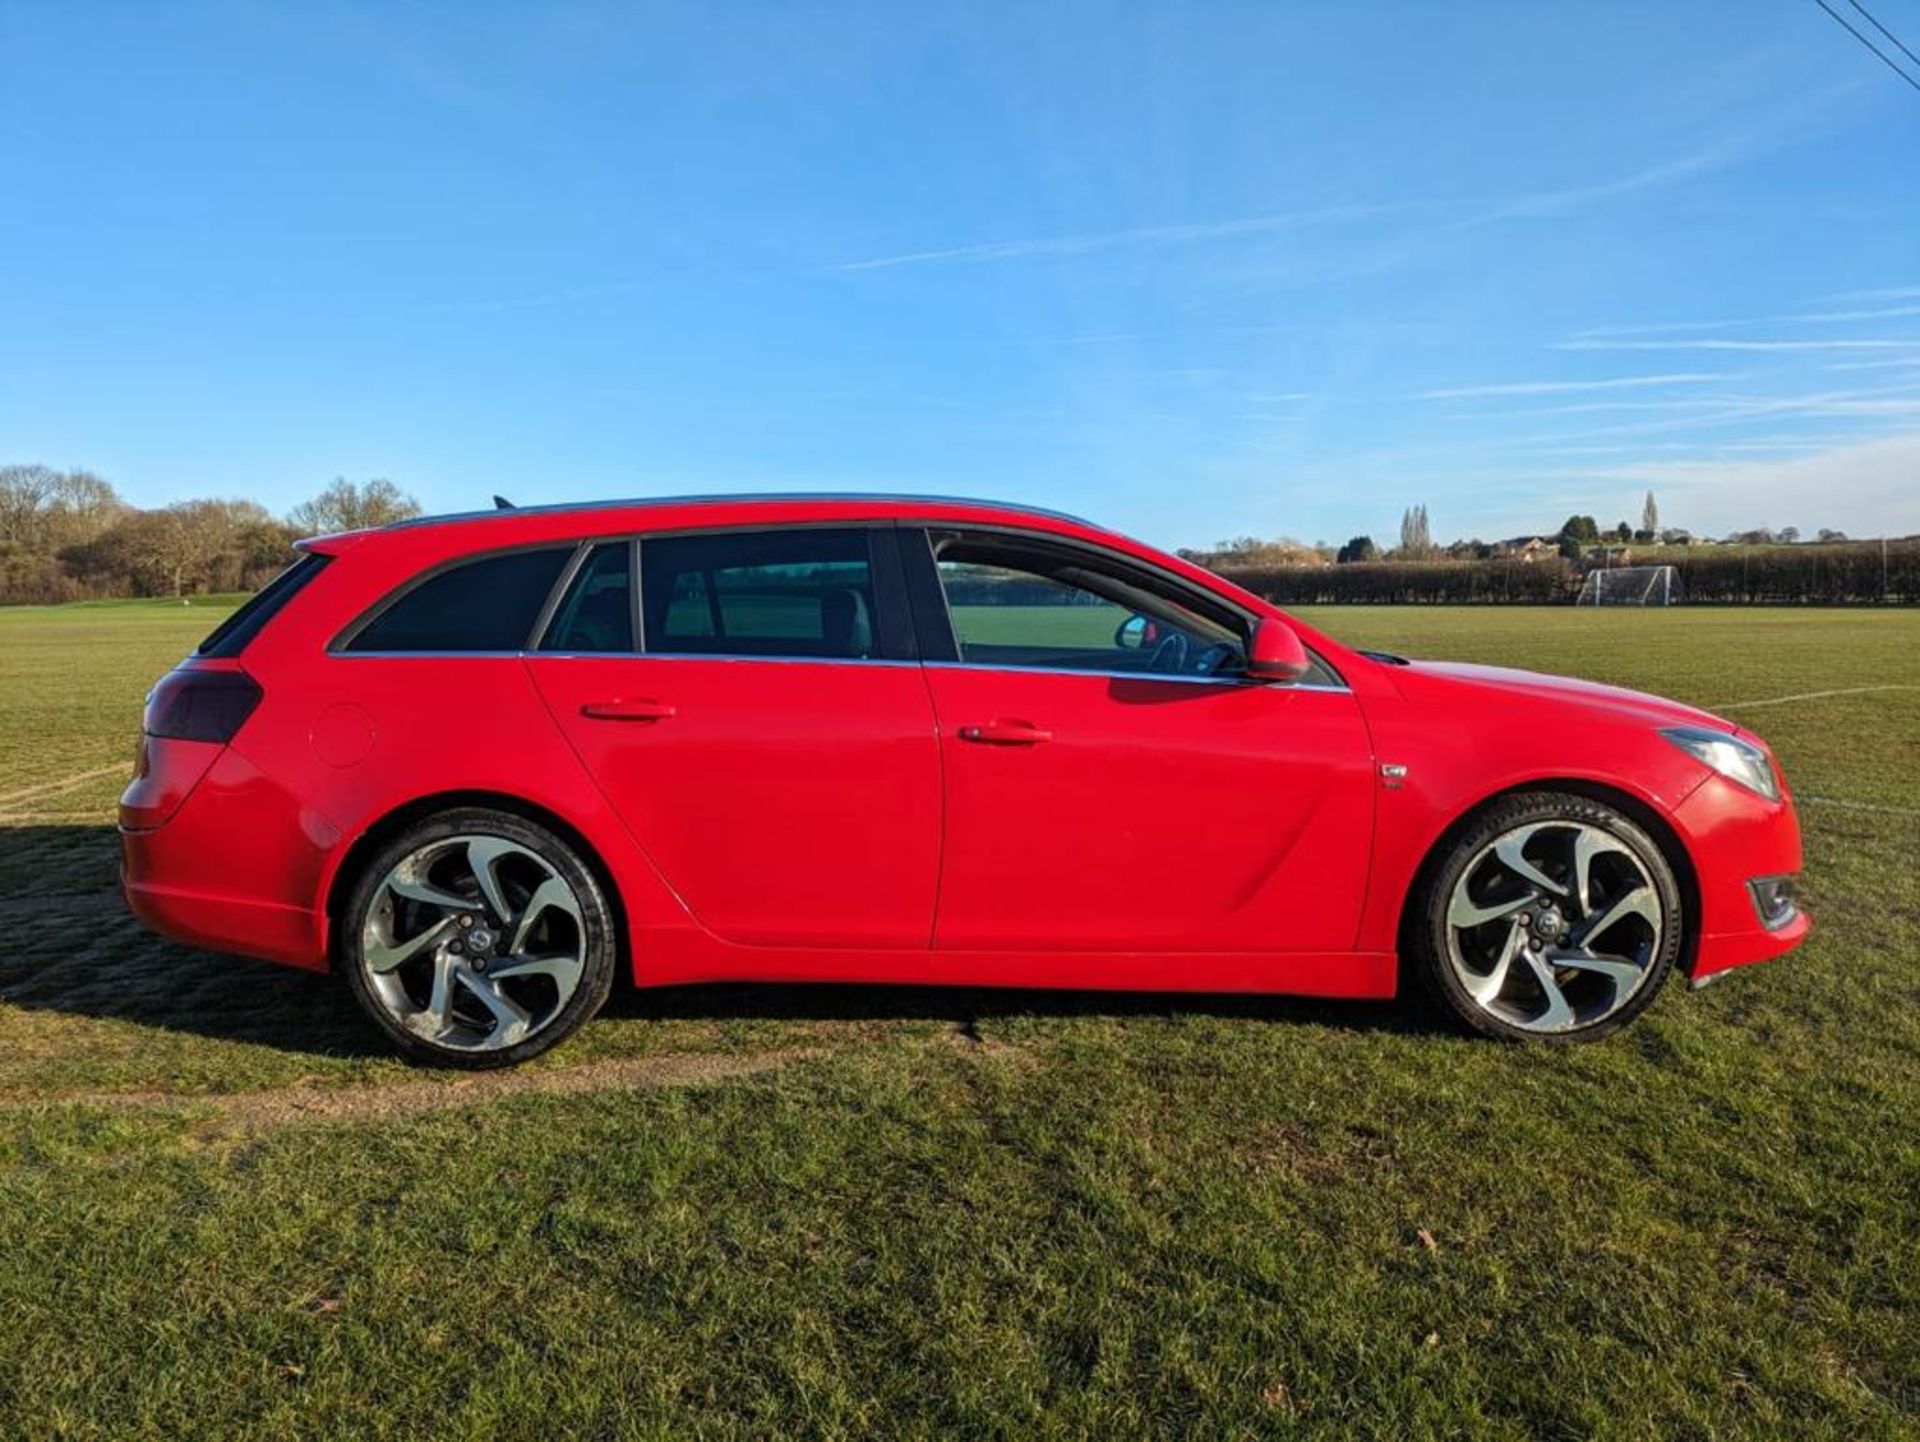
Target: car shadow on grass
column 966, row 1007
column 75, row 949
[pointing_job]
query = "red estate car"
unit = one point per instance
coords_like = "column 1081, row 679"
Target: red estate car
column 479, row 764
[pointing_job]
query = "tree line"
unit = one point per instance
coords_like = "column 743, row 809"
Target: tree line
column 68, row 536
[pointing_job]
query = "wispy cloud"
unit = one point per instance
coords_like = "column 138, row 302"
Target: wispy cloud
column 1546, row 203
column 1548, row 388
column 1864, row 407
column 1806, row 317
column 1890, row 292
column 1539, row 204
column 1796, row 445
column 1591, row 342
column 1582, row 408
column 1905, row 362
column 1857, row 486
column 1141, row 236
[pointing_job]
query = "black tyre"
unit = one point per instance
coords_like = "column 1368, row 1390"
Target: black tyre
column 1548, row 917
column 477, row 938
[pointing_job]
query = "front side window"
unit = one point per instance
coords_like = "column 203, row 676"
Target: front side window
column 1015, row 602
column 805, row 593
column 489, row 604
column 596, row 614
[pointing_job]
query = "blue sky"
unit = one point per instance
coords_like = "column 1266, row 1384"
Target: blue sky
column 1196, row 270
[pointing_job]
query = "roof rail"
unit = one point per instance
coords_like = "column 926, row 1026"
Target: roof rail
column 749, row 496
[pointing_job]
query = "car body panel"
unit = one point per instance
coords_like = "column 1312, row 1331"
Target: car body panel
column 1171, row 814
column 787, row 802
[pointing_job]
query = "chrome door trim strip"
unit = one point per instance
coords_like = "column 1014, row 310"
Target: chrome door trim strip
column 1133, row 676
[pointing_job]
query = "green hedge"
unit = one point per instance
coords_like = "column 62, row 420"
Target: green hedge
column 1829, row 574
column 1404, row 583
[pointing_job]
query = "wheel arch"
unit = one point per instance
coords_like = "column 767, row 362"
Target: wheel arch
column 1635, row 808
column 390, row 824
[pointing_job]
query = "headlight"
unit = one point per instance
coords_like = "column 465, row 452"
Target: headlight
column 1733, row 758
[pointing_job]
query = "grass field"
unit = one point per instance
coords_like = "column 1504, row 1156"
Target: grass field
column 845, row 1212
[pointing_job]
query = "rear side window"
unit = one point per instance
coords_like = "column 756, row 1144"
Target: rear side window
column 760, row 593
column 485, row 605
column 596, row 614
column 231, row 636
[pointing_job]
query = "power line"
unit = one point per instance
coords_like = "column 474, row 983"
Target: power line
column 1884, row 59
column 1884, row 31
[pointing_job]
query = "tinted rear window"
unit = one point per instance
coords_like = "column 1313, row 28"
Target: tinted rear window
column 760, row 593
column 484, row 605
column 596, row 614
column 231, row 636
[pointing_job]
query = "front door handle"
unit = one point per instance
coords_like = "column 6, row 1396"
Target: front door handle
column 644, row 709
column 1006, row 733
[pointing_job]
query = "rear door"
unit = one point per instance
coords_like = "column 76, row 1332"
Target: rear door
column 1112, row 783
column 750, row 703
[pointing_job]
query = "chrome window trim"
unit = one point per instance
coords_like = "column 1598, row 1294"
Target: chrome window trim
column 736, row 659
column 1136, row 676
column 431, row 655
column 623, row 656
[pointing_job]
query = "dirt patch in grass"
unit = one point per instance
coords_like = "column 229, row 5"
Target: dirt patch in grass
column 253, row 1112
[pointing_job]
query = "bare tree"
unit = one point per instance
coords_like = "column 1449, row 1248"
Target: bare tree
column 42, row 509
column 1650, row 516
column 23, row 490
column 344, row 506
column 1416, row 534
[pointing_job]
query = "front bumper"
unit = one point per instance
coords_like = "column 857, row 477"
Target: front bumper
column 1737, row 838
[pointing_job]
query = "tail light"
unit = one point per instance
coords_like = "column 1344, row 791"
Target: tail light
column 197, row 705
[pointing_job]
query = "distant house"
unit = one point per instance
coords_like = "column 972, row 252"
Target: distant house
column 1528, row 548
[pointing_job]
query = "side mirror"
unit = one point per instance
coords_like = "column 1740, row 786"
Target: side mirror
column 1276, row 654
column 1132, row 633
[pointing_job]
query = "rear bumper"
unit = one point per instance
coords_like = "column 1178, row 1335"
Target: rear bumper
column 234, row 867
column 217, row 922
column 1736, row 838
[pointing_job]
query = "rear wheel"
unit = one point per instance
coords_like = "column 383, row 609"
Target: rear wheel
column 477, row 938
column 1551, row 917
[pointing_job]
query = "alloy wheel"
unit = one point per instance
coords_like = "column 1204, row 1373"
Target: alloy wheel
column 1554, row 926
column 473, row 943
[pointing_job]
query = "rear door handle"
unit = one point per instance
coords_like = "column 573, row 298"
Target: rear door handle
column 644, row 709
column 1006, row 733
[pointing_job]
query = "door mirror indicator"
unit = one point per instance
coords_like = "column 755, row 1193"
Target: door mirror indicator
column 1276, row 654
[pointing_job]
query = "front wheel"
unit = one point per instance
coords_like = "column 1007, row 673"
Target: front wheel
column 477, row 938
column 1549, row 917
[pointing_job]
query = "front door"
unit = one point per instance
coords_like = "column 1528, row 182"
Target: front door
column 763, row 738
column 1113, row 785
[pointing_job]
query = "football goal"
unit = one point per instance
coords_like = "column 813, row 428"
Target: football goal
column 1631, row 586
